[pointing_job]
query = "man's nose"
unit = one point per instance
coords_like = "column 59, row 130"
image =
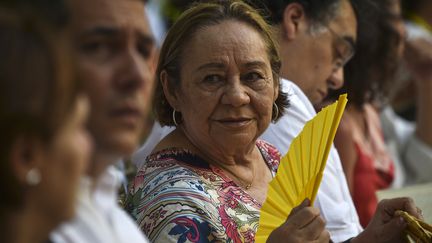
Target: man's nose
column 134, row 72
column 336, row 79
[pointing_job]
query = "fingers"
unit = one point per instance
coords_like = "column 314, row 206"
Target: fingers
column 314, row 229
column 304, row 224
column 387, row 225
column 302, row 205
column 304, row 217
column 419, row 213
column 387, row 208
column 323, row 238
column 306, row 221
column 391, row 230
column 412, row 209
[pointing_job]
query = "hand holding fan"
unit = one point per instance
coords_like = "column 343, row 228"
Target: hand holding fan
column 301, row 169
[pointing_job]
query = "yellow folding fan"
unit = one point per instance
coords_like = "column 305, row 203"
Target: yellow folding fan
column 301, row 169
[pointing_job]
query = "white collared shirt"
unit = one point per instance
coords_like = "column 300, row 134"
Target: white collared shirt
column 99, row 217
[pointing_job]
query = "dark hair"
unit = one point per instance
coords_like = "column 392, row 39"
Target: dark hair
column 37, row 88
column 197, row 17
column 372, row 70
column 320, row 12
column 410, row 6
column 53, row 12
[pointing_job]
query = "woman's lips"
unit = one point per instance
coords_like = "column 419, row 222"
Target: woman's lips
column 235, row 122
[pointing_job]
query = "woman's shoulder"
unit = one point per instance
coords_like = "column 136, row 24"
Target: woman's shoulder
column 271, row 154
column 174, row 195
column 168, row 168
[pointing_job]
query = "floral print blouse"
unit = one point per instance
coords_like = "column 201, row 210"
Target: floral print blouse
column 179, row 197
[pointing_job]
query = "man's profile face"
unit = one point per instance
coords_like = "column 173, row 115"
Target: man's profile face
column 324, row 53
column 115, row 62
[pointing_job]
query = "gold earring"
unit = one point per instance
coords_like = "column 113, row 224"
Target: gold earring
column 276, row 112
column 174, row 118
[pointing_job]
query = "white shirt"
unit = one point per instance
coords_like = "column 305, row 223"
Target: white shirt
column 99, row 218
column 333, row 199
column 157, row 133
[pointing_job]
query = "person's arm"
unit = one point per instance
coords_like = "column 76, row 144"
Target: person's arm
column 344, row 142
column 418, row 151
column 418, row 56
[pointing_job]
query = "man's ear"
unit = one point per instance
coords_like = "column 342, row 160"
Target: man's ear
column 26, row 154
column 169, row 92
column 293, row 18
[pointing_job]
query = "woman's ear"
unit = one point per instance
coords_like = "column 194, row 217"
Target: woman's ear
column 169, row 92
column 276, row 91
column 26, row 156
column 293, row 16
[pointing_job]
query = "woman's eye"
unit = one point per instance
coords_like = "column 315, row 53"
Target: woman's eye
column 253, row 76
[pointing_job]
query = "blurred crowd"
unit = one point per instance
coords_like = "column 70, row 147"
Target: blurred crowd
column 166, row 120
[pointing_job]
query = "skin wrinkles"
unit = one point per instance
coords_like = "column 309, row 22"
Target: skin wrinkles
column 227, row 60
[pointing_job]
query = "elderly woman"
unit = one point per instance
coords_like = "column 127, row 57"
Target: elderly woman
column 218, row 84
column 44, row 145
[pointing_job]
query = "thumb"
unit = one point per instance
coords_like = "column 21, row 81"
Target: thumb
column 305, row 203
column 391, row 230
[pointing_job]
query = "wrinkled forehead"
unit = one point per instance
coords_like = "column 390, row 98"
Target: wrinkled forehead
column 227, row 40
column 127, row 15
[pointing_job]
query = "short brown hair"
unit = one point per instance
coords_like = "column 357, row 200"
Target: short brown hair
column 193, row 19
column 37, row 88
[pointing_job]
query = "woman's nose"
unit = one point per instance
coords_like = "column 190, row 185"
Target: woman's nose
column 235, row 94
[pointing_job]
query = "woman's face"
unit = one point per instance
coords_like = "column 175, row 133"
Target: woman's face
column 227, row 89
column 66, row 158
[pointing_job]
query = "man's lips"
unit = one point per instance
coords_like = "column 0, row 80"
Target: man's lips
column 128, row 114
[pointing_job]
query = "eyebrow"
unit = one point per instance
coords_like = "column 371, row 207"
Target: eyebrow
column 112, row 32
column 100, row 30
column 259, row 64
column 218, row 65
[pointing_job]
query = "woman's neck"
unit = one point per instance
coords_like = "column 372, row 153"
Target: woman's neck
column 241, row 156
column 24, row 226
